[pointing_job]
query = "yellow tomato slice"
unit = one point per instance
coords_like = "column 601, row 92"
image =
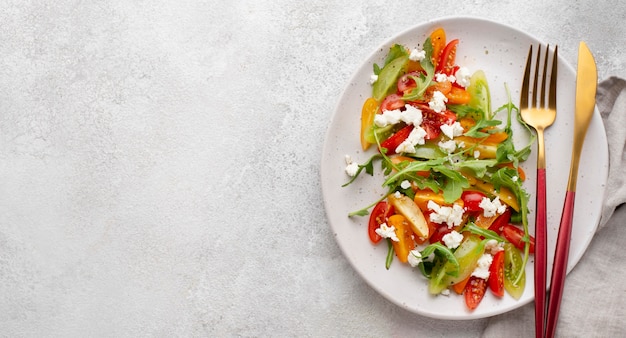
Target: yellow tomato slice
column 370, row 106
column 438, row 40
column 423, row 196
column 406, row 207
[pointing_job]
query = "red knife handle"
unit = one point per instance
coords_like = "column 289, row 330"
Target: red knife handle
column 559, row 269
column 540, row 254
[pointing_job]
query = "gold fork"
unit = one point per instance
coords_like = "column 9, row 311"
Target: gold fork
column 540, row 114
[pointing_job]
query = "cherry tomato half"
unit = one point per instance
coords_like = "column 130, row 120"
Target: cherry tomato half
column 438, row 40
column 438, row 234
column 514, row 235
column 391, row 102
column 406, row 83
column 394, row 140
column 496, row 274
column 474, row 292
column 471, row 200
column 501, row 221
column 378, row 216
column 447, row 58
column 432, row 121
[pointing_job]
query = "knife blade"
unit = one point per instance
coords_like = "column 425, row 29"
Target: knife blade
column 586, row 84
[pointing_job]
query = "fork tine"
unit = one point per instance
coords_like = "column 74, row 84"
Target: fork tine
column 544, row 79
column 553, row 75
column 526, row 81
column 535, row 97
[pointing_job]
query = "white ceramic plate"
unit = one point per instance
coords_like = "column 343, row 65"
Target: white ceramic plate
column 501, row 52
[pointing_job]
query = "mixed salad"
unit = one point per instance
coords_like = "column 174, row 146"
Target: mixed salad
column 455, row 208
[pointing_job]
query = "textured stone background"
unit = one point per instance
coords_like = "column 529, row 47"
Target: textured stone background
column 159, row 161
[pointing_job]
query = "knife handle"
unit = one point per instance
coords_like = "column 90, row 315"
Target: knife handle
column 540, row 254
column 559, row 269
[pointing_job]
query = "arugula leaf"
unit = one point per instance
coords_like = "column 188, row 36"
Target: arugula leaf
column 367, row 166
column 440, row 250
column 412, row 168
column 365, row 211
column 422, row 81
column 486, row 233
column 454, row 183
column 395, row 52
column 462, row 110
column 452, row 190
column 427, row 182
column 427, row 63
column 478, row 167
column 390, row 252
column 506, row 150
column 376, row 69
column 476, row 130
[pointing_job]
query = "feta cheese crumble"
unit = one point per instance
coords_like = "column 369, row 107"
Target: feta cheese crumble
column 449, row 146
column 452, row 216
column 482, row 269
column 352, row 167
column 373, row 78
column 414, row 258
column 417, row 55
column 440, row 77
column 476, row 154
column 405, row 184
column 385, row 231
column 492, row 246
column 410, row 115
column 452, row 130
column 452, row 240
column 417, row 136
column 438, row 102
column 463, row 77
column 491, row 208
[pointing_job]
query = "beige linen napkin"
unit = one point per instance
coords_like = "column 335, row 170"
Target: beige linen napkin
column 594, row 298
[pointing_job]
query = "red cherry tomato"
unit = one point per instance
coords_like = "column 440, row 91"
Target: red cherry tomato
column 394, row 140
column 438, row 234
column 391, row 102
column 474, row 292
column 501, row 221
column 496, row 274
column 378, row 216
column 432, row 121
column 471, row 200
column 406, row 83
column 447, row 58
column 514, row 235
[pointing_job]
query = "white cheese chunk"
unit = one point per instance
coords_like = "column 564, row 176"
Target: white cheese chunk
column 385, row 231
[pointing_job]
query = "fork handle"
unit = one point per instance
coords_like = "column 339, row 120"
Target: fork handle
column 540, row 254
column 559, row 269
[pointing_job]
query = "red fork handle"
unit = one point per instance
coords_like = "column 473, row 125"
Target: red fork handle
column 540, row 254
column 559, row 269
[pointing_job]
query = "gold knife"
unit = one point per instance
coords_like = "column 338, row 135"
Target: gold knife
column 586, row 83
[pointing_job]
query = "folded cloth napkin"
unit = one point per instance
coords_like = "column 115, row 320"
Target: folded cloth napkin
column 594, row 297
column 611, row 101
